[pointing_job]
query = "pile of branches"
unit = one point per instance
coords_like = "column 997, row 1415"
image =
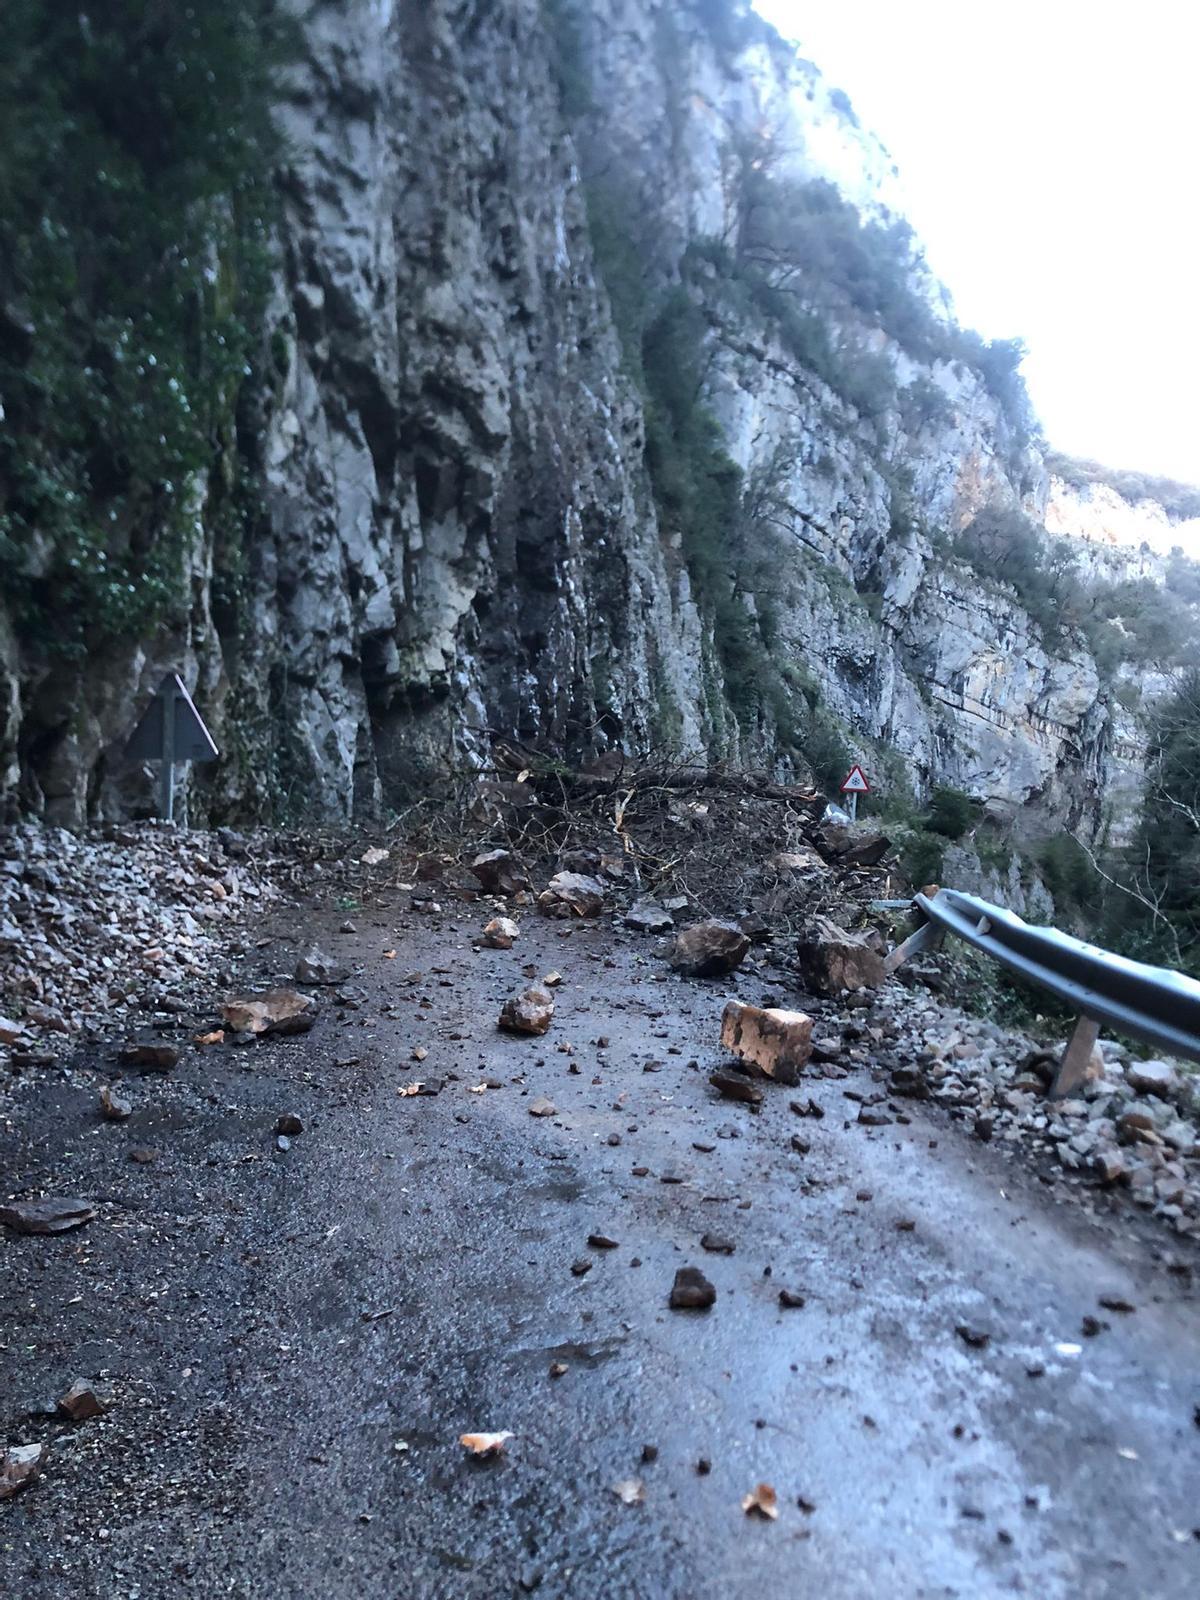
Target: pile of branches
column 672, row 827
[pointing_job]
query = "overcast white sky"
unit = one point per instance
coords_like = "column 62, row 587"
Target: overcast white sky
column 1050, row 155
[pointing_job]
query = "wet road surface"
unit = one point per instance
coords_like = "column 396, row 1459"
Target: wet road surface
column 296, row 1339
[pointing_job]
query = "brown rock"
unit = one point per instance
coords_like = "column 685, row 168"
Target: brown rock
column 82, row 1401
column 531, row 1011
column 691, row 1291
column 113, row 1106
column 717, row 1243
column 150, row 1056
column 571, row 894
column 274, row 1011
column 49, row 1215
column 501, row 933
column 736, row 1086
column 542, row 1107
column 10, row 1032
column 1152, row 1077
column 790, row 1300
column 500, row 872
column 830, row 959
column 20, row 1465
column 867, row 850
column 709, row 949
column 289, row 1124
column 776, row 1043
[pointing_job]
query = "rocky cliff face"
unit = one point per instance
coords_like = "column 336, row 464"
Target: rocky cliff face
column 456, row 531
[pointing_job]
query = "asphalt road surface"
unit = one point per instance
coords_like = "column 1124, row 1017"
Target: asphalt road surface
column 296, row 1339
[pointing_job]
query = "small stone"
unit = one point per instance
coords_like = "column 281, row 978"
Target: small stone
column 542, row 1107
column 530, row 1012
column 717, row 1243
column 558, row 1369
column 20, row 1465
column 691, row 1291
column 873, row 1119
column 601, row 1241
column 800, row 1145
column 1152, row 1077
column 647, row 916
column 649, row 1453
column 114, row 1107
column 49, row 1215
column 790, row 1299
column 736, row 1086
column 703, row 1466
column 316, row 968
column 289, row 1123
column 150, row 1056
column 572, row 894
column 975, row 1337
column 500, row 872
column 82, row 1401
column 581, row 1266
column 143, row 1155
column 1091, row 1326
column 282, row 1142
column 501, row 933
column 1117, row 1302
column 806, row 1108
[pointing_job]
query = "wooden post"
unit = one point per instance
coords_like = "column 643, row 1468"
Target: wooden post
column 1072, row 1068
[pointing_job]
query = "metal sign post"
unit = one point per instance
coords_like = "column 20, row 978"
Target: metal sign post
column 172, row 730
column 855, row 784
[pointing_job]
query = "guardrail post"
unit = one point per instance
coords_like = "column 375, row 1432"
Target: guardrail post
column 1072, row 1068
column 927, row 937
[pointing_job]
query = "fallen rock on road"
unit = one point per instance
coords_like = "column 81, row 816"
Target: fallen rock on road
column 691, row 1291
column 276, row 1011
column 830, row 959
column 20, row 1465
column 775, row 1043
column 530, row 1012
column 48, row 1215
column 709, row 949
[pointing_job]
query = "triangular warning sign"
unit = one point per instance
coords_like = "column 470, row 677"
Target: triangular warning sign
column 856, row 782
column 192, row 742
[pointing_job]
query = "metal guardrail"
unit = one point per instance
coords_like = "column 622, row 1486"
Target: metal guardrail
column 1144, row 1002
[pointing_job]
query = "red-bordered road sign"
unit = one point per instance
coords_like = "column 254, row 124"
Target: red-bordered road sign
column 856, row 782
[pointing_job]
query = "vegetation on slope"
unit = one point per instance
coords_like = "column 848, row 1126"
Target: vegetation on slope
column 136, row 148
column 1180, row 501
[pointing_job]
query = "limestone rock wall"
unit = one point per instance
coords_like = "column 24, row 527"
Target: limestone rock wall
column 458, row 536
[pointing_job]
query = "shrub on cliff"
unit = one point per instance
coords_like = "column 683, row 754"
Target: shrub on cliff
column 136, row 148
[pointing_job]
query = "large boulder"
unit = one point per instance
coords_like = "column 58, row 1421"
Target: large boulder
column 709, row 949
column 831, row 959
column 773, row 1043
